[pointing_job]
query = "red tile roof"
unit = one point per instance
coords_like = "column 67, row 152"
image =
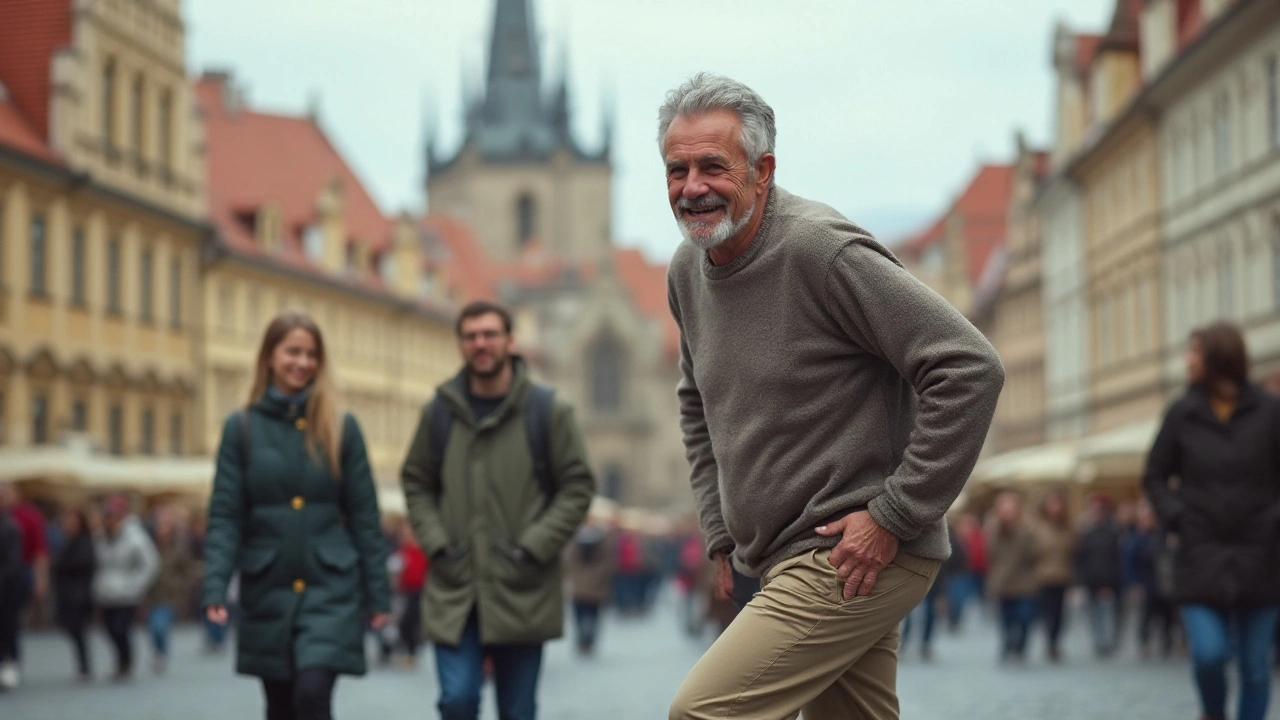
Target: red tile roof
column 30, row 33
column 256, row 158
column 647, row 284
column 454, row 251
column 17, row 133
column 1086, row 51
column 983, row 209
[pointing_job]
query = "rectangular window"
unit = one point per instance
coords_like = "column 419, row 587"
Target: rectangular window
column 175, row 434
column 149, row 431
column 78, row 251
column 175, row 293
column 1273, row 100
column 115, row 429
column 165, row 130
column 146, row 285
column 79, row 416
column 1222, row 136
column 39, row 420
column 1226, row 288
column 137, row 111
column 38, row 285
column 113, row 277
column 109, row 104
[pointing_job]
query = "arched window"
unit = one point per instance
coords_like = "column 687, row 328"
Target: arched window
column 526, row 219
column 607, row 360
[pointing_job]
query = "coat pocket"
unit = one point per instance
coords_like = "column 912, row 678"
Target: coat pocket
column 520, row 574
column 339, row 558
column 256, row 560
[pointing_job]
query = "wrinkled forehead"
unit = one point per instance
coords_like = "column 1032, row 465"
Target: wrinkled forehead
column 714, row 133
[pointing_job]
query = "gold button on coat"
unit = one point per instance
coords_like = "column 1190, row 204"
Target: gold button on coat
column 299, row 585
column 301, row 423
column 298, row 502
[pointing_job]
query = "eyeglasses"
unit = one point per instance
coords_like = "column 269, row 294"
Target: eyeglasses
column 488, row 335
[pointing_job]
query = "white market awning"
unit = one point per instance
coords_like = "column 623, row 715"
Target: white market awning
column 1039, row 464
column 77, row 465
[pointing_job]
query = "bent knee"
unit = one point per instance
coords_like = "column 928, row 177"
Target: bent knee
column 692, row 702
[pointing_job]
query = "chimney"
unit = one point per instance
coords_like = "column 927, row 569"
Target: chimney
column 333, row 226
column 406, row 257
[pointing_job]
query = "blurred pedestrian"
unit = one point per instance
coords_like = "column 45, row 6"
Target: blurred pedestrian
column 11, row 591
column 1056, row 543
column 295, row 510
column 1012, row 578
column 497, row 482
column 689, row 581
column 74, row 566
column 801, row 339
column 629, row 573
column 1220, row 441
column 952, row 568
column 1098, row 569
column 177, row 573
column 589, row 567
column 970, row 580
column 32, row 580
column 413, row 576
column 127, row 565
column 1146, row 551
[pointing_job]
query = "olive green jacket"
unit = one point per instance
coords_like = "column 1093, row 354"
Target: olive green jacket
column 309, row 548
column 487, row 503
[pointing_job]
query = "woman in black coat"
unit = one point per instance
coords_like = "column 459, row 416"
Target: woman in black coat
column 73, row 569
column 1221, row 440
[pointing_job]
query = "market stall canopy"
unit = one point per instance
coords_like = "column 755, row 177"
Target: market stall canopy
column 1119, row 453
column 1040, row 464
column 74, row 463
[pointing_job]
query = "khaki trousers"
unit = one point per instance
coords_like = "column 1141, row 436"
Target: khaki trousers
column 798, row 645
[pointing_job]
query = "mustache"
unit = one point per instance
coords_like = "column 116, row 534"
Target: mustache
column 706, row 202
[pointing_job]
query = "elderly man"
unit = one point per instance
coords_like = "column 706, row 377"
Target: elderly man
column 832, row 409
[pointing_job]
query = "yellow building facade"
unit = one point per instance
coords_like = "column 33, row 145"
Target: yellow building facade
column 101, row 225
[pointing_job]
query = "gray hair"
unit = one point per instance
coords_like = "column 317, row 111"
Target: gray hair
column 707, row 92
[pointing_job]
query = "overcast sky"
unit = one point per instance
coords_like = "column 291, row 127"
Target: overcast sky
column 884, row 108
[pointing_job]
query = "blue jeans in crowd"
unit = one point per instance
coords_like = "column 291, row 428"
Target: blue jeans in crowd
column 1016, row 616
column 159, row 620
column 460, row 670
column 929, row 608
column 1214, row 636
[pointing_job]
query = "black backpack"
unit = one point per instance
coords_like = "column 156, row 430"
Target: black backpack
column 537, row 425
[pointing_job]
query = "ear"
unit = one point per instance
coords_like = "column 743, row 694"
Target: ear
column 765, row 167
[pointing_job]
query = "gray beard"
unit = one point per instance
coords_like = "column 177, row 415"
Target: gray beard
column 723, row 230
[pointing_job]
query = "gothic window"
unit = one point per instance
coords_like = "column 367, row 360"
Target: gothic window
column 165, row 129
column 612, row 482
column 526, row 219
column 175, row 293
column 175, row 434
column 115, row 429
column 137, row 112
column 39, row 420
column 607, row 361
column 149, row 431
column 80, row 416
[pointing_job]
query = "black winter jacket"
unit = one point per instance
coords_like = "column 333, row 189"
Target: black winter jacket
column 1225, row 507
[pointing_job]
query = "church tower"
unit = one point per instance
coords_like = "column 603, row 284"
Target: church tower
column 521, row 179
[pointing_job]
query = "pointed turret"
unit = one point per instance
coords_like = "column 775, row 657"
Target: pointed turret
column 514, row 76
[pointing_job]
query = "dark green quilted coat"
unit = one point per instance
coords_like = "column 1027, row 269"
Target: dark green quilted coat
column 308, row 547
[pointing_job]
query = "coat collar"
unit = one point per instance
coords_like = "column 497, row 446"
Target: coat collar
column 1250, row 400
column 455, row 392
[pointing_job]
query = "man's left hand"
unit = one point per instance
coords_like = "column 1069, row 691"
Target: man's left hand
column 864, row 550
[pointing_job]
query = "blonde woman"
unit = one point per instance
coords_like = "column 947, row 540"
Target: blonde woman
column 295, row 512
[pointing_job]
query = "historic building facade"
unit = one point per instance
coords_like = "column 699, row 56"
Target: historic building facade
column 101, row 225
column 294, row 228
column 521, row 212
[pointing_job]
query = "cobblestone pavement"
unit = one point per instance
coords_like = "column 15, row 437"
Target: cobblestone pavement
column 640, row 665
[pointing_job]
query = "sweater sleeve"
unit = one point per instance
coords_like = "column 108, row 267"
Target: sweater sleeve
column 361, row 501
column 704, row 474
column 954, row 370
column 226, row 515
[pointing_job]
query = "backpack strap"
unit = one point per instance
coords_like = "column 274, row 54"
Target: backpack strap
column 441, row 424
column 537, row 420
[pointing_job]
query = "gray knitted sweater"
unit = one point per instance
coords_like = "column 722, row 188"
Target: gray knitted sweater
column 819, row 377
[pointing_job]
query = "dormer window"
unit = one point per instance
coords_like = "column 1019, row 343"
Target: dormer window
column 313, row 243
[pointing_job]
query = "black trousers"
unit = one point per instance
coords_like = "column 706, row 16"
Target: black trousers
column 1053, row 600
column 411, row 623
column 10, row 616
column 75, row 623
column 307, row 696
column 118, row 621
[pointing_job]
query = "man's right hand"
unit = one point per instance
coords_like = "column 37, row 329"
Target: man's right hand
column 217, row 614
column 724, row 577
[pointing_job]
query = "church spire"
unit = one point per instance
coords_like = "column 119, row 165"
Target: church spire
column 560, row 99
column 515, row 71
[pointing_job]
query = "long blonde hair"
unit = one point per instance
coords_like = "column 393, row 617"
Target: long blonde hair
column 323, row 434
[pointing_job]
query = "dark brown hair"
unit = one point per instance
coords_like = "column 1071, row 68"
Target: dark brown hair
column 322, row 406
column 477, row 308
column 1226, row 359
